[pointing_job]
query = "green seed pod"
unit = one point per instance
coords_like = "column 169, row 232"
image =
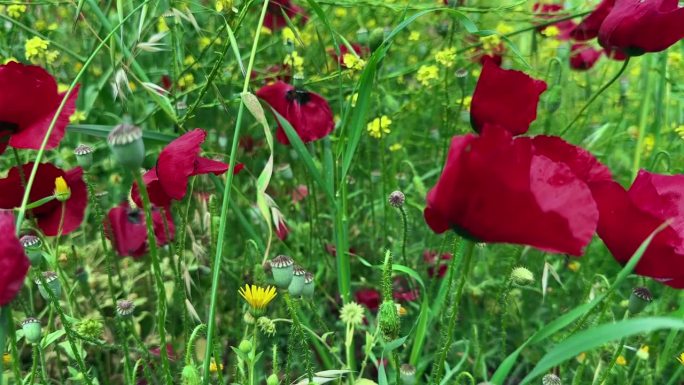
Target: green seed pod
column 639, row 299
column 126, row 143
column 388, row 318
column 297, row 284
column 309, row 285
column 32, row 330
column 551, row 379
column 190, row 375
column 245, row 346
column 522, row 276
column 272, row 380
column 33, row 248
column 53, row 285
column 282, row 268
column 84, row 156
column 407, row 374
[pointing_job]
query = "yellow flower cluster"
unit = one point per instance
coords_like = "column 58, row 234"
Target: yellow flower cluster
column 295, row 61
column 490, row 43
column 414, row 36
column 353, row 62
column 223, row 5
column 36, row 51
column 379, row 127
column 15, row 10
column 446, row 57
column 427, row 74
column 551, row 31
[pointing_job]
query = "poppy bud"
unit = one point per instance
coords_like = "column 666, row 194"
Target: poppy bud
column 396, row 199
column 297, row 284
column 551, row 379
column 639, row 299
column 522, row 276
column 376, row 37
column 553, row 99
column 407, row 374
column 308, row 290
column 126, row 143
column 272, row 380
column 190, row 375
column 33, row 248
column 124, row 307
column 362, row 35
column 62, row 191
column 32, row 330
column 388, row 319
column 84, row 156
column 282, row 268
column 245, row 346
column 53, row 285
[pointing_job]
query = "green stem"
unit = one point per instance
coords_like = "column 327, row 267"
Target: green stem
column 616, row 355
column 438, row 366
column 211, row 324
column 596, row 95
column 157, row 272
column 643, row 119
column 404, row 223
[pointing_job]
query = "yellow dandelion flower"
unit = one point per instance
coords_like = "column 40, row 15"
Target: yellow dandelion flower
column 621, row 360
column 574, row 266
column 427, row 74
column 395, row 147
column 414, row 36
column 551, row 31
column 257, row 297
column 680, row 358
column 223, row 5
column 379, row 127
column 353, row 62
column 446, row 57
column 16, row 10
column 35, row 48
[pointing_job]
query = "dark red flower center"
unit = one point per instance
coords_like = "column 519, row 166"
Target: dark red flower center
column 133, row 216
column 6, row 129
column 298, row 95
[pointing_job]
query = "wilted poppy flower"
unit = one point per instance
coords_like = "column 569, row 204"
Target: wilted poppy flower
column 583, row 57
column 177, row 162
column 274, row 16
column 588, row 28
column 627, row 218
column 507, row 98
column 128, row 231
column 48, row 215
column 532, row 191
column 307, row 112
column 13, row 264
column 358, row 50
column 369, row 298
column 639, row 26
column 28, row 102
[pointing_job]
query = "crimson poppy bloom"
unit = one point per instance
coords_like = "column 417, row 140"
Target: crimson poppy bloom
column 370, row 298
column 554, row 11
column 13, row 264
column 589, row 27
column 359, row 50
column 639, row 26
column 177, row 162
column 28, row 102
column 49, row 215
column 307, row 112
column 128, row 231
column 583, row 57
column 532, row 191
column 274, row 16
column 506, row 98
column 436, row 266
column 627, row 218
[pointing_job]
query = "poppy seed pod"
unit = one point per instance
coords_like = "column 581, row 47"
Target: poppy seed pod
column 551, row 379
column 639, row 299
column 52, row 283
column 297, row 284
column 33, row 248
column 282, row 268
column 407, row 374
column 126, row 143
column 309, row 286
column 396, row 199
column 32, row 330
column 84, row 156
column 124, row 307
column 272, row 380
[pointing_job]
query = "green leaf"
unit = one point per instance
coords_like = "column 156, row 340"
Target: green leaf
column 101, row 131
column 394, row 344
column 421, row 332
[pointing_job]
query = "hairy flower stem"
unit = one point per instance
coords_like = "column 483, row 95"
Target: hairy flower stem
column 438, row 366
column 223, row 220
column 616, row 355
column 643, row 119
column 404, row 223
column 158, row 280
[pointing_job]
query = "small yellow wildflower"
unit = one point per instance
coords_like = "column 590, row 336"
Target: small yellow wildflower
column 504, row 29
column 635, row 71
column 395, row 147
column 51, row 56
column 427, row 73
column 621, row 360
column 675, row 59
column 288, row 35
column 574, row 266
column 62, row 191
column 379, row 127
column 266, row 31
column 401, row 310
column 186, row 81
column 446, row 57
column 6, row 359
column 204, row 42
column 257, row 297
column 466, row 101
column 680, row 358
column 16, row 10
column 414, row 36
column 295, row 61
column 161, row 25
column 340, row 12
column 551, row 31
column 215, row 368
column 35, row 48
column 642, row 353
column 648, row 144
column 77, row 117
column 223, row 5
column 189, row 61
column 353, row 62
column 491, row 42
column 680, row 131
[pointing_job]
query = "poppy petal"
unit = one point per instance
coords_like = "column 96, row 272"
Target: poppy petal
column 14, row 264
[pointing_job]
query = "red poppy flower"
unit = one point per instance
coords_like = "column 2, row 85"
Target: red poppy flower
column 128, row 231
column 401, row 291
column 615, row 54
column 370, row 298
column 274, row 16
column 359, row 50
column 48, row 215
column 583, row 57
column 532, row 191
column 627, row 218
column 506, row 98
column 588, row 28
column 177, row 162
column 13, row 263
column 554, row 11
column 436, row 268
column 28, row 102
column 307, row 112
column 639, row 26
column 299, row 193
